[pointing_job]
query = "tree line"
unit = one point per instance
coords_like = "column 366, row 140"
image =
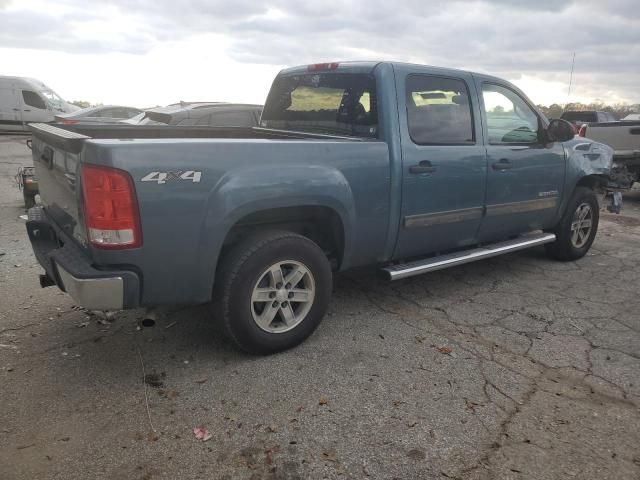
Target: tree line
column 619, row 110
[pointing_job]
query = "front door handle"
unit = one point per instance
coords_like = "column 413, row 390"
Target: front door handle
column 423, row 167
column 503, row 164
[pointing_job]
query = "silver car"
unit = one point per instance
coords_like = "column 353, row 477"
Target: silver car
column 101, row 114
column 211, row 114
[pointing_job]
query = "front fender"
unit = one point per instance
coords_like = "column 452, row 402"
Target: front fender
column 585, row 158
column 250, row 189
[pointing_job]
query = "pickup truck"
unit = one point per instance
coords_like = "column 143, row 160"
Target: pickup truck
column 404, row 167
column 624, row 137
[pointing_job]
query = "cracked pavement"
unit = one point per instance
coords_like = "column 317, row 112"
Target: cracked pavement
column 517, row 367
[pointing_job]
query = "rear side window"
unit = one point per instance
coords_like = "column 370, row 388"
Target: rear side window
column 33, row 100
column 577, row 117
column 189, row 122
column 439, row 111
column 102, row 113
column 119, row 113
column 232, row 119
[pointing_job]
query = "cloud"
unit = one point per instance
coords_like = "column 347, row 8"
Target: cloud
column 510, row 38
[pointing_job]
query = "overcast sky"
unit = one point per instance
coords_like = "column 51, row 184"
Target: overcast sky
column 154, row 52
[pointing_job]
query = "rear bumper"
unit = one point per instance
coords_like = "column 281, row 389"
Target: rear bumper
column 72, row 271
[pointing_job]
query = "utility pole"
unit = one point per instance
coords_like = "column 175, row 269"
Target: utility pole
column 573, row 62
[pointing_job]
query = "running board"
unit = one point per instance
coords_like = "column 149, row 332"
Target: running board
column 397, row 272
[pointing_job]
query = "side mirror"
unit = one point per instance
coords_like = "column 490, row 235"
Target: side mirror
column 560, row 130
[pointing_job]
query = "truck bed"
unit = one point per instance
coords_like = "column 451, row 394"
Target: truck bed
column 71, row 137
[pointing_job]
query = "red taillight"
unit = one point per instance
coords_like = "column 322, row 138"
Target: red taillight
column 110, row 208
column 583, row 131
column 323, row 66
column 66, row 121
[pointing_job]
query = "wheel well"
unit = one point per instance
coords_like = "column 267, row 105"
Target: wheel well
column 594, row 182
column 320, row 224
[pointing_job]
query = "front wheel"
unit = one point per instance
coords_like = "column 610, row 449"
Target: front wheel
column 29, row 200
column 577, row 228
column 272, row 291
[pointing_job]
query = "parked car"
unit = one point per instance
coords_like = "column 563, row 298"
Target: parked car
column 581, row 117
column 405, row 167
column 24, row 100
column 213, row 114
column 99, row 114
column 624, row 137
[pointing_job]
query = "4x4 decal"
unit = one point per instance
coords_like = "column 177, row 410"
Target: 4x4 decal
column 164, row 177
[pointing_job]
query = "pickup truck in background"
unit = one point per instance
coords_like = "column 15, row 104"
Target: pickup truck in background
column 577, row 118
column 406, row 167
column 624, row 137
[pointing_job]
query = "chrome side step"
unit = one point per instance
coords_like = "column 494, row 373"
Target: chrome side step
column 397, row 272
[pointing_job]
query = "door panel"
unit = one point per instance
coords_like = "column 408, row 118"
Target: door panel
column 10, row 110
column 525, row 175
column 443, row 161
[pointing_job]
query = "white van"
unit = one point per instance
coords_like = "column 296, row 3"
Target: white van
column 25, row 100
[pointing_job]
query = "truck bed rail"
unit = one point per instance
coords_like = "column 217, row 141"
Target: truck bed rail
column 66, row 139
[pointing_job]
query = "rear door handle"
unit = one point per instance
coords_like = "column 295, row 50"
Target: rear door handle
column 503, row 164
column 423, row 167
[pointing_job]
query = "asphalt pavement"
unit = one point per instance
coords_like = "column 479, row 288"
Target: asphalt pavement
column 517, row 367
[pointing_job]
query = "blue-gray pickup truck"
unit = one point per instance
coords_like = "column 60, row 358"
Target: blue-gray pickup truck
column 405, row 167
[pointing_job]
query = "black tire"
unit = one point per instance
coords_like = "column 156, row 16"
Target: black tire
column 240, row 270
column 29, row 201
column 564, row 248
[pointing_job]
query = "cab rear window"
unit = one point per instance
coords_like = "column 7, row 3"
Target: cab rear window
column 331, row 103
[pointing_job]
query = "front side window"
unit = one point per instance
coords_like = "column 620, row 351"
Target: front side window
column 439, row 111
column 33, row 99
column 508, row 117
column 329, row 103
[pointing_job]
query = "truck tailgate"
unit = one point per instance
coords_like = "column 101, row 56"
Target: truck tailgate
column 56, row 158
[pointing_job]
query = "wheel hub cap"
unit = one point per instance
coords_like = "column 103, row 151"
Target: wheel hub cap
column 581, row 225
column 282, row 296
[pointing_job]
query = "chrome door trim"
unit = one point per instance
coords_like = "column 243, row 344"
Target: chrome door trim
column 439, row 218
column 522, row 207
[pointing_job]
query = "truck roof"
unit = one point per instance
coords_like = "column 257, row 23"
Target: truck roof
column 368, row 66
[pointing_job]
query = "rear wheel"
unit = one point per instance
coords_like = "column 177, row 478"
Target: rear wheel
column 577, row 229
column 272, row 291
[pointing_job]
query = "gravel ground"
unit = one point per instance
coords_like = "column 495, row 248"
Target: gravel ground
column 516, row 367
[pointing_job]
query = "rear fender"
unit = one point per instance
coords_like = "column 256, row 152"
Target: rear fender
column 253, row 189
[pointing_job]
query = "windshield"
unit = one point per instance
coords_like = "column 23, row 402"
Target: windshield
column 53, row 99
column 330, row 103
